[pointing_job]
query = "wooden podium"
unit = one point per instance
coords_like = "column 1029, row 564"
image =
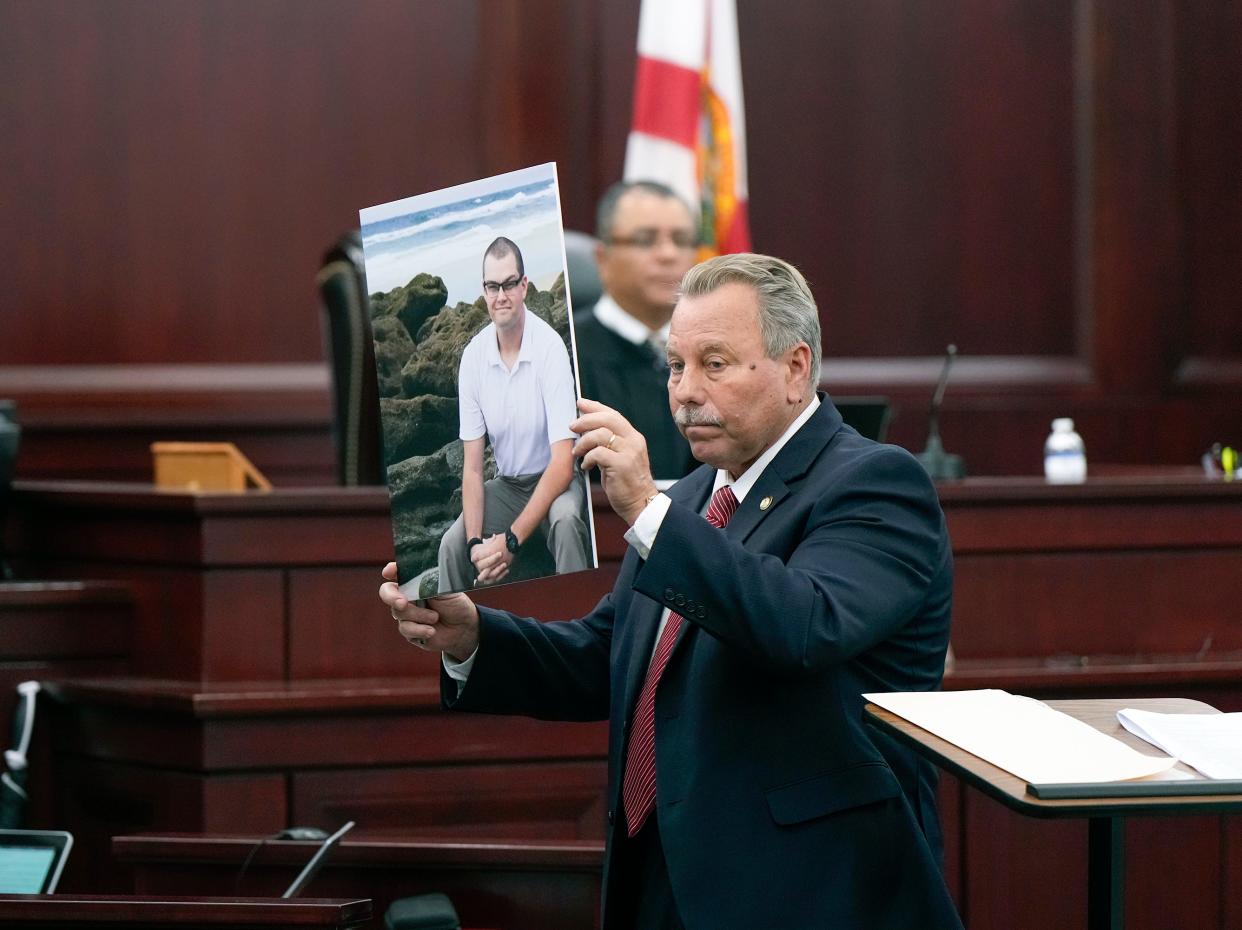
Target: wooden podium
column 205, row 467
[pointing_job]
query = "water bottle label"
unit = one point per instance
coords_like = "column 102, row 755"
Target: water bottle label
column 1065, row 467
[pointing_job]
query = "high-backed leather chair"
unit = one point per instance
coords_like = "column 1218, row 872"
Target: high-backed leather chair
column 10, row 435
column 584, row 284
column 351, row 354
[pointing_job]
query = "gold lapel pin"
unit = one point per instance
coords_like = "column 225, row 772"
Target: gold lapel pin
column 765, row 503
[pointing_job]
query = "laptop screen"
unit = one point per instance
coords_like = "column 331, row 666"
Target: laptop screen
column 31, row 860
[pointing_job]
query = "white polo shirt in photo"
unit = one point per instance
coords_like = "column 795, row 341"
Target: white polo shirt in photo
column 522, row 411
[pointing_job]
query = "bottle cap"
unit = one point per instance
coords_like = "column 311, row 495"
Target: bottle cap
column 1062, row 425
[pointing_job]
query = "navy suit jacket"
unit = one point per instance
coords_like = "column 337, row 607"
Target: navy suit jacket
column 775, row 807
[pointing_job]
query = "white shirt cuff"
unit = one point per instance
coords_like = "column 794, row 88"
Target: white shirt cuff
column 642, row 534
column 458, row 671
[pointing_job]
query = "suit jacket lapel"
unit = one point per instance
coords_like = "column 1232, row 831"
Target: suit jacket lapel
column 790, row 465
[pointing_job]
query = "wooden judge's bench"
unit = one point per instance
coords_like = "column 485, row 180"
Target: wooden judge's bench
column 266, row 687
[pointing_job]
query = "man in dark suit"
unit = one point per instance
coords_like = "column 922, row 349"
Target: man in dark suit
column 647, row 241
column 744, row 790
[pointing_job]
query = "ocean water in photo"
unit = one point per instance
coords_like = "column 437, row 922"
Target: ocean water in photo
column 448, row 238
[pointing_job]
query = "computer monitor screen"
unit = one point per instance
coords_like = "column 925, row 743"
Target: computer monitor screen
column 868, row 415
column 31, row 860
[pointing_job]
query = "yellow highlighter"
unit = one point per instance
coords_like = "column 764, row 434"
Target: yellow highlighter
column 1228, row 462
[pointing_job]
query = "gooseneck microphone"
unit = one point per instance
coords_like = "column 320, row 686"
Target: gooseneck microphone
column 316, row 862
column 940, row 465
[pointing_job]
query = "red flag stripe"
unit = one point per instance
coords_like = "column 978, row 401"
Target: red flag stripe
column 666, row 101
column 737, row 237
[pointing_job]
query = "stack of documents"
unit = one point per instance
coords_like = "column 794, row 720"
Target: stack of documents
column 1022, row 736
column 1211, row 743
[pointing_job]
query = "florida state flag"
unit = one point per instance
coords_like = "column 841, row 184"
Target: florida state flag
column 689, row 130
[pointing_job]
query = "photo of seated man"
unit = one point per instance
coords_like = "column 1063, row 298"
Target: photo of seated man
column 516, row 392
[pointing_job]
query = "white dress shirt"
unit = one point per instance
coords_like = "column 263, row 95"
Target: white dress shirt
column 611, row 315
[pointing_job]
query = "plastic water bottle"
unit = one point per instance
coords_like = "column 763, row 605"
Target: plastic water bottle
column 1065, row 459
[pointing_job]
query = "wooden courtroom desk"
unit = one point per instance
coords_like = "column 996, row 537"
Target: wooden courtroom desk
column 506, row 884
column 84, row 912
column 1119, row 587
column 268, row 688
column 1106, row 815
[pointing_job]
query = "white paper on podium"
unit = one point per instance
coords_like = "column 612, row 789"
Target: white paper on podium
column 1211, row 743
column 1023, row 736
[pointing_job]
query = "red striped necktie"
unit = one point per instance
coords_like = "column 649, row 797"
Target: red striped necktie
column 638, row 791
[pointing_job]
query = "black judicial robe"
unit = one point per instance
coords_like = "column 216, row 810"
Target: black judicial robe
column 632, row 380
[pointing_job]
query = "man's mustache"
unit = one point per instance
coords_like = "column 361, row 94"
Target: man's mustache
column 696, row 416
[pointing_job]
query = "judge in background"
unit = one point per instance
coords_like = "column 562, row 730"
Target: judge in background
column 800, row 567
column 647, row 241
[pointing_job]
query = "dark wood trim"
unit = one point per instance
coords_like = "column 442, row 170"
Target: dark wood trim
column 421, row 852
column 1209, row 373
column 86, row 911
column 1138, row 260
column 57, row 398
column 983, row 374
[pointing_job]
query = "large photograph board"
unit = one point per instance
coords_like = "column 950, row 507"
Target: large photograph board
column 478, row 383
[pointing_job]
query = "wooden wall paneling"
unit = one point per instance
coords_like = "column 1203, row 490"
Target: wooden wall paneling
column 1167, row 853
column 915, row 163
column 333, row 629
column 98, row 421
column 102, row 799
column 244, row 625
column 182, row 168
column 1022, row 873
column 1175, row 601
column 226, row 727
column 258, row 799
column 555, row 800
column 1209, row 73
column 168, row 603
column 495, row 883
column 168, row 611
column 1175, row 875
column 391, row 739
column 321, row 534
column 537, row 87
column 1138, row 300
column 1231, row 866
column 63, row 621
column 1006, row 177
column 615, row 65
column 950, row 798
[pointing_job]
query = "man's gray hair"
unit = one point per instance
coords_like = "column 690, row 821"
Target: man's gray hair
column 787, row 311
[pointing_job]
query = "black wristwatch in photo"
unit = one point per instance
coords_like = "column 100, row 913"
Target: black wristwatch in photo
column 472, row 542
column 511, row 540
